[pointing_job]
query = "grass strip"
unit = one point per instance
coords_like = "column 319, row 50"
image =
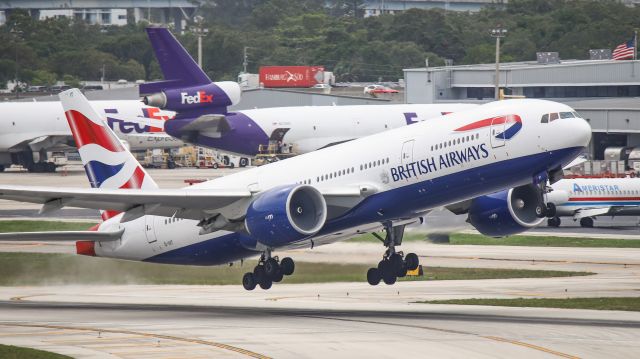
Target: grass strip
column 601, row 303
column 519, row 240
column 37, row 226
column 13, row 352
column 55, row 269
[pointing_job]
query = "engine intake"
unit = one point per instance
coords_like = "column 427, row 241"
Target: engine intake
column 213, row 95
column 286, row 214
column 506, row 212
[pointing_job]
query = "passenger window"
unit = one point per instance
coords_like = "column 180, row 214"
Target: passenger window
column 545, row 118
column 566, row 115
column 553, row 116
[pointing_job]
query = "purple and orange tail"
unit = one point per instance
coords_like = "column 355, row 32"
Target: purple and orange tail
column 107, row 162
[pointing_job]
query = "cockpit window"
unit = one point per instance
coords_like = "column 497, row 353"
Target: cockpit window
column 566, row 115
column 553, row 116
column 577, row 115
column 545, row 118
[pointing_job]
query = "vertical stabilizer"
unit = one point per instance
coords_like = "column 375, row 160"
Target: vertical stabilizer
column 107, row 162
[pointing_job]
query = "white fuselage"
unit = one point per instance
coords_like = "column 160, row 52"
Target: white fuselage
column 616, row 196
column 22, row 122
column 407, row 171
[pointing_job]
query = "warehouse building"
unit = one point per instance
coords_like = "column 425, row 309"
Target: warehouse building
column 605, row 92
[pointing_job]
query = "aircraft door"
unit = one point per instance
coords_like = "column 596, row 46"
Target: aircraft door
column 497, row 132
column 149, row 231
column 407, row 152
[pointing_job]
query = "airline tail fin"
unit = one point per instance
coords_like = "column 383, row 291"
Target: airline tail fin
column 107, row 162
column 178, row 67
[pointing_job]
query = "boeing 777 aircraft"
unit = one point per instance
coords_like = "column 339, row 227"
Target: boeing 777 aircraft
column 463, row 161
column 203, row 117
column 586, row 198
column 37, row 127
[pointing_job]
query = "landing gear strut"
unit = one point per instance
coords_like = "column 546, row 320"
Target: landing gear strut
column 268, row 271
column 394, row 264
column 544, row 209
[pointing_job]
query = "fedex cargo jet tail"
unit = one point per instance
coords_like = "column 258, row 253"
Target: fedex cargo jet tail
column 186, row 89
column 107, row 162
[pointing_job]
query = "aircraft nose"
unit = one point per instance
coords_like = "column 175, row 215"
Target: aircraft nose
column 580, row 132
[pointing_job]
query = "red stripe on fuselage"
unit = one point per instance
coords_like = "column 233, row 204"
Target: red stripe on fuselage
column 489, row 121
column 86, row 132
column 587, row 199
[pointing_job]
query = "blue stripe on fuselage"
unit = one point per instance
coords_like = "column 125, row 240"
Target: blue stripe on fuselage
column 398, row 203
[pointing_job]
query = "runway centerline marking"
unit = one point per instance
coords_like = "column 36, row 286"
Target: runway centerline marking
column 149, row 335
column 494, row 338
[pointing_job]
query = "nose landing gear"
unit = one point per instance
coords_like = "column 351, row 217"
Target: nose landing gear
column 268, row 271
column 394, row 264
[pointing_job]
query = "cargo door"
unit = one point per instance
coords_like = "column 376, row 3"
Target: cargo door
column 407, row 157
column 149, row 230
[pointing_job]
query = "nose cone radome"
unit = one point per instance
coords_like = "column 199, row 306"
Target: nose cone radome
column 580, row 133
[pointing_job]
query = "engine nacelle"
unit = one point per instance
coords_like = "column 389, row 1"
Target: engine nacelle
column 507, row 212
column 286, row 214
column 213, row 95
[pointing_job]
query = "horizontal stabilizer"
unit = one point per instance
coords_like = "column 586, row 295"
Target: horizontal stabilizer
column 62, row 236
column 142, row 121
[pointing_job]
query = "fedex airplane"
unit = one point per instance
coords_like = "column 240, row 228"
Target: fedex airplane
column 203, row 117
column 381, row 182
column 586, row 198
column 38, row 127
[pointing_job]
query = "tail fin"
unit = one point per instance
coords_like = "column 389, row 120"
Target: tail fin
column 178, row 67
column 107, row 162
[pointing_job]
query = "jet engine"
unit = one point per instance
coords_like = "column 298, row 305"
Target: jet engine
column 507, row 212
column 286, row 214
column 213, row 95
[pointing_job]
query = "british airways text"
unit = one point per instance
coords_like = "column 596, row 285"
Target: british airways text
column 445, row 160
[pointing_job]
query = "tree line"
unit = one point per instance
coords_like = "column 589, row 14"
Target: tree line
column 310, row 32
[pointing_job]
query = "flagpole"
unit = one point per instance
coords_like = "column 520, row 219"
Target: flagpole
column 635, row 44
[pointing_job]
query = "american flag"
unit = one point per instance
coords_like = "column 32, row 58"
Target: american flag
column 625, row 51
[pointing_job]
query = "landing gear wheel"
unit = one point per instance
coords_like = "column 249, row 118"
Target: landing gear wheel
column 412, row 261
column 551, row 210
column 389, row 277
column 266, row 283
column 540, row 211
column 243, row 162
column 373, row 276
column 403, row 270
column 396, row 264
column 554, row 222
column 50, row 167
column 258, row 274
column 586, row 222
column 287, row 265
column 277, row 278
column 271, row 267
column 249, row 281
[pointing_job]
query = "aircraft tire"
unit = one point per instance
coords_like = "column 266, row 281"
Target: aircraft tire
column 50, row 167
column 2, row 168
column 586, row 222
column 249, row 281
column 403, row 270
column 389, row 278
column 551, row 210
column 287, row 265
column 412, row 261
column 554, row 222
column 396, row 263
column 541, row 211
column 266, row 283
column 271, row 267
column 277, row 278
column 259, row 274
column 373, row 276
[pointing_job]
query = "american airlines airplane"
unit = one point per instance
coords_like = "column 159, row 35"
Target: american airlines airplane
column 586, row 198
column 37, row 127
column 203, row 117
column 385, row 181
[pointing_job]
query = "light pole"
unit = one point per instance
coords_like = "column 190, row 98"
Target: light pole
column 200, row 31
column 498, row 33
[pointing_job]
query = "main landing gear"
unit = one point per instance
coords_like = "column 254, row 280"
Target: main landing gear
column 268, row 271
column 394, row 264
column 554, row 221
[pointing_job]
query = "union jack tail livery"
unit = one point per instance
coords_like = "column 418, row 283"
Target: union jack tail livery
column 107, row 162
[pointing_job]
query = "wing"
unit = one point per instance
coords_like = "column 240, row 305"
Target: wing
column 591, row 212
column 197, row 204
column 192, row 204
column 62, row 236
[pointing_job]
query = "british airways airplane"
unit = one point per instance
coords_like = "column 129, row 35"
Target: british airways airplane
column 203, row 117
column 381, row 182
column 586, row 198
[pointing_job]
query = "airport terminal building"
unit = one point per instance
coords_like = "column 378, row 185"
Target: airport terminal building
column 605, row 92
